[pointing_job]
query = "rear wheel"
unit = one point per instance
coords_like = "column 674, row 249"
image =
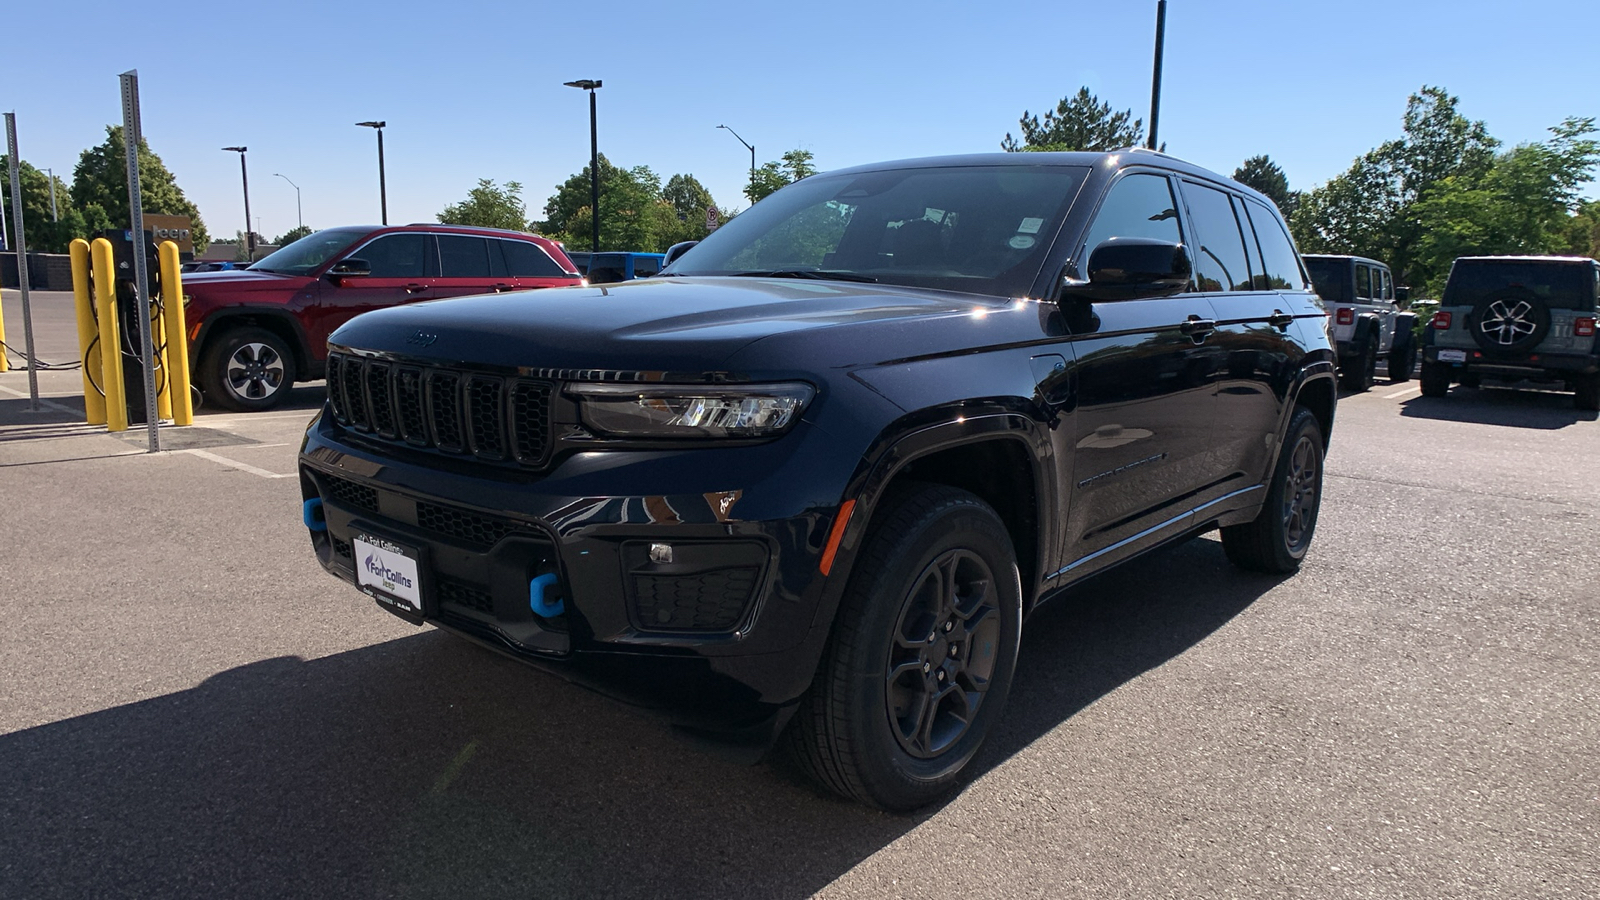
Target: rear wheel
column 247, row 369
column 1361, row 370
column 1435, row 379
column 1586, row 392
column 1279, row 537
column 922, row 654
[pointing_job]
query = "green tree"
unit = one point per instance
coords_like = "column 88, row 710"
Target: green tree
column 1583, row 236
column 489, row 206
column 795, row 165
column 101, row 180
column 688, row 201
column 636, row 211
column 44, row 233
column 292, row 235
column 1261, row 173
column 1370, row 209
column 1079, row 122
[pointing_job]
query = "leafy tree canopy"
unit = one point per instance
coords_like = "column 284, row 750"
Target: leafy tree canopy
column 44, row 234
column 637, row 212
column 101, row 180
column 1079, row 122
column 1261, row 173
column 292, row 235
column 795, row 165
column 489, row 206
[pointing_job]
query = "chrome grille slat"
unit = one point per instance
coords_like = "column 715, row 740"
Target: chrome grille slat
column 495, row 418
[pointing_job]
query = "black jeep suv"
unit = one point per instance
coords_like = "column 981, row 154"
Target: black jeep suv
column 809, row 481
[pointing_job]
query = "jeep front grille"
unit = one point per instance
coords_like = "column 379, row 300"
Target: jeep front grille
column 490, row 417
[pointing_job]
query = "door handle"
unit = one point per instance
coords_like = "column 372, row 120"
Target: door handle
column 1197, row 327
column 1280, row 319
column 413, row 287
column 502, row 286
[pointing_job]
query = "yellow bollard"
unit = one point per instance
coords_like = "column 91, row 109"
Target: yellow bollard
column 105, row 300
column 176, row 356
column 94, row 403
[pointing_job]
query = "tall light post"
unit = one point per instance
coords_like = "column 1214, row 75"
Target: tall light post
column 244, row 174
column 54, row 215
column 383, row 189
column 298, row 218
column 1155, row 76
column 752, row 155
column 592, row 85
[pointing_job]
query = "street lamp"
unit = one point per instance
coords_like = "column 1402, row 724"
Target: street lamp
column 752, row 155
column 54, row 215
column 299, row 219
column 244, row 174
column 592, row 85
column 383, row 190
column 1155, row 75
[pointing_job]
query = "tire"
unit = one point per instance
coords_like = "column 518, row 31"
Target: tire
column 1435, row 379
column 247, row 369
column 1361, row 371
column 1402, row 358
column 1586, row 392
column 1510, row 322
column 1277, row 540
column 882, row 723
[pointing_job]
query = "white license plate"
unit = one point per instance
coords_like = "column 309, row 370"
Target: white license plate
column 1452, row 356
column 388, row 568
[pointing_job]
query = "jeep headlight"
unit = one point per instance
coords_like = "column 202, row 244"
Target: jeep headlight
column 691, row 411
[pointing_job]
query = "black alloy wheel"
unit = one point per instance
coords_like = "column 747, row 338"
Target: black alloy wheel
column 922, row 653
column 247, row 369
column 1510, row 322
column 1277, row 540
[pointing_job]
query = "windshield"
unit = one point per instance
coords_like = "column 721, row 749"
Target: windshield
column 979, row 229
column 311, row 251
column 1564, row 285
column 1331, row 277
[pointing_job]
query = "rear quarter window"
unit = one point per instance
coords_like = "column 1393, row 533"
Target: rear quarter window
column 1278, row 256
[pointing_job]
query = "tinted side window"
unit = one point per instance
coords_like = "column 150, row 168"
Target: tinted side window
column 396, row 256
column 1258, row 278
column 1278, row 256
column 462, row 256
column 524, row 259
column 1386, row 291
column 1364, row 282
column 1220, row 262
column 1139, row 205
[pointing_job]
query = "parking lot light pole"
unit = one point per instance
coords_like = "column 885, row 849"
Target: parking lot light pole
column 249, row 233
column 54, row 215
column 383, row 189
column 1155, row 75
column 298, row 218
column 592, row 85
column 752, row 154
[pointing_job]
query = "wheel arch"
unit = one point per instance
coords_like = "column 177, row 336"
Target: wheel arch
column 278, row 322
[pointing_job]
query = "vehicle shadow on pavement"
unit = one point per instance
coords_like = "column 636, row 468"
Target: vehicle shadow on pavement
column 1507, row 407
column 306, row 397
column 425, row 766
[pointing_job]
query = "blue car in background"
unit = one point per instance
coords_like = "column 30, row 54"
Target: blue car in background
column 610, row 267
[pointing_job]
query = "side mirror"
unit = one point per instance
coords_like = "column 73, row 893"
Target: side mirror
column 1402, row 297
column 350, row 268
column 675, row 251
column 1131, row 269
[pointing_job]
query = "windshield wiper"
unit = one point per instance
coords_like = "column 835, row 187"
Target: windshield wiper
column 817, row 274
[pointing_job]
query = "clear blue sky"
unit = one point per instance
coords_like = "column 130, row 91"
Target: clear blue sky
column 474, row 90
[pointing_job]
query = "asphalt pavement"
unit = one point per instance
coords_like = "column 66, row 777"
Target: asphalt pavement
column 190, row 707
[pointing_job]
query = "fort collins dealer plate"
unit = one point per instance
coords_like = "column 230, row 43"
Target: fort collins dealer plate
column 390, row 572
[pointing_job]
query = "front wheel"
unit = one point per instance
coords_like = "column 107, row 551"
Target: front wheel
column 1586, row 392
column 922, row 653
column 1277, row 540
column 247, row 369
column 1402, row 359
column 1435, row 379
column 1360, row 371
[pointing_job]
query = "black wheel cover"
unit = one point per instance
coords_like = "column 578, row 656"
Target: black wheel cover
column 1509, row 322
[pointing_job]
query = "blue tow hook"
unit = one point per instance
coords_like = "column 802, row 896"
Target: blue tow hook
column 536, row 598
column 311, row 514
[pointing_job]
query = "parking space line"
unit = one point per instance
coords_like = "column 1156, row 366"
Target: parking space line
column 234, row 463
column 1410, row 390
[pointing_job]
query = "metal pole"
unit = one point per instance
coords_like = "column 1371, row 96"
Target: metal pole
column 1155, row 80
column 22, row 257
column 133, row 137
column 594, row 177
column 383, row 187
column 299, row 219
column 54, row 215
column 249, row 233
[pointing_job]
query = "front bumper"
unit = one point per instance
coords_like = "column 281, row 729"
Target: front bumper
column 1534, row 366
column 727, row 635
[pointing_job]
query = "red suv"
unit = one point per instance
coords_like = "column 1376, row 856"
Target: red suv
column 254, row 332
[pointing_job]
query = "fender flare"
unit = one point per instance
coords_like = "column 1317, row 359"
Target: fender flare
column 228, row 317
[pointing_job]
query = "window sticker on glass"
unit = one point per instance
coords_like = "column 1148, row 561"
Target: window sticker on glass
column 1021, row 241
column 1030, row 226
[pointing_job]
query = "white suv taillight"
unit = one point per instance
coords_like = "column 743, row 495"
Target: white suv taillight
column 1441, row 321
column 1345, row 316
column 1583, row 327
